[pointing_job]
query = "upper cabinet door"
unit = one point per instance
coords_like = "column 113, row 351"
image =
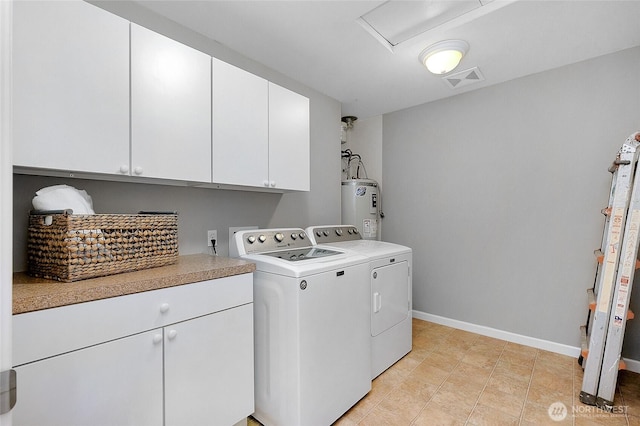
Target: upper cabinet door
column 288, row 139
column 70, row 87
column 170, row 108
column 241, row 126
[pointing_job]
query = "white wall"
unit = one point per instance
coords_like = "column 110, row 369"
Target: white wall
column 203, row 209
column 365, row 138
column 499, row 193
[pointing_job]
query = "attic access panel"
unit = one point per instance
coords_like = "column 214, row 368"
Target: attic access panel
column 398, row 21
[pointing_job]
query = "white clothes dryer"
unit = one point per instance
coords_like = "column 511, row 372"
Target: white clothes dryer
column 311, row 327
column 390, row 280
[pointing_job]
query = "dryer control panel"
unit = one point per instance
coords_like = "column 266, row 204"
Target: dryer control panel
column 333, row 234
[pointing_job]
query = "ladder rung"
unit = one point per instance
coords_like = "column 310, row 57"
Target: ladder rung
column 592, row 304
column 613, row 167
column 584, row 342
column 592, row 299
column 599, row 255
column 617, row 163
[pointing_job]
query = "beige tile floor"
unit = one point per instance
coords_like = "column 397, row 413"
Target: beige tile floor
column 453, row 377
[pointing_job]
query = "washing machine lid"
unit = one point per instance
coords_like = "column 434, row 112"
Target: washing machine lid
column 339, row 237
column 300, row 254
column 371, row 248
column 305, row 267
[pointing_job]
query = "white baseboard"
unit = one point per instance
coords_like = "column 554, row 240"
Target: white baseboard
column 573, row 351
column 632, row 365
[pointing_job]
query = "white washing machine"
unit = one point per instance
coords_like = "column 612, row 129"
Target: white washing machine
column 389, row 295
column 311, row 327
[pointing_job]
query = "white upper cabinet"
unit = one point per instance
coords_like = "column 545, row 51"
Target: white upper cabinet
column 288, row 139
column 170, row 108
column 260, row 131
column 95, row 93
column 70, row 87
column 240, row 126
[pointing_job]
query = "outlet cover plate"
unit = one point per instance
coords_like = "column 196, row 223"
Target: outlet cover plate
column 212, row 235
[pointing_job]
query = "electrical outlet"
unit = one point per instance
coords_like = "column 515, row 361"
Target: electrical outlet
column 212, row 235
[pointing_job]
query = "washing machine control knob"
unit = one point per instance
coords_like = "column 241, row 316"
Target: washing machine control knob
column 325, row 233
column 319, row 233
column 251, row 239
column 279, row 237
column 338, row 232
column 302, row 236
column 294, row 236
column 262, row 238
column 355, row 230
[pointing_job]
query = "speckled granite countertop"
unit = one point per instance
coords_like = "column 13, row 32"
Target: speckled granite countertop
column 33, row 294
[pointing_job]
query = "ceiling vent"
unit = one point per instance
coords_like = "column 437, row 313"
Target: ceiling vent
column 463, row 78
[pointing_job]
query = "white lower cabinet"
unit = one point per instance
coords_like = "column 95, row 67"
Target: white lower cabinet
column 208, row 369
column 115, row 383
column 189, row 363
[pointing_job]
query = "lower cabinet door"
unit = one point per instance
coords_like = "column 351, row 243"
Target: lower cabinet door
column 114, row 383
column 209, row 369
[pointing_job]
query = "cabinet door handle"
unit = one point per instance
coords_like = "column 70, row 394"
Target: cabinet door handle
column 164, row 308
column 266, row 183
column 172, row 334
column 124, row 169
column 138, row 170
column 272, row 183
column 157, row 338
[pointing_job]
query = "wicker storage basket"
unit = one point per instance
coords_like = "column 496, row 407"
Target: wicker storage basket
column 67, row 247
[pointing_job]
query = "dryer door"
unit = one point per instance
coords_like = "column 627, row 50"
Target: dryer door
column 389, row 296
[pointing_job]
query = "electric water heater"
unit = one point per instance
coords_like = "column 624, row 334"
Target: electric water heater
column 360, row 206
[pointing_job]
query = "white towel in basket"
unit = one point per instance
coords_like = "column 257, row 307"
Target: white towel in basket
column 62, row 197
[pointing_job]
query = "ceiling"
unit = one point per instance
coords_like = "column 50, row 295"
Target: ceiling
column 322, row 44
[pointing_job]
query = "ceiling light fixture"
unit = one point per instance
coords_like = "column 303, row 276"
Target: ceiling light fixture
column 444, row 56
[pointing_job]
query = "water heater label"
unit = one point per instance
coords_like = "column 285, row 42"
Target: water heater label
column 369, row 228
column 360, row 191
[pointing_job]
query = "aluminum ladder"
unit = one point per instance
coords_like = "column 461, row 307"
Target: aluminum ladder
column 602, row 337
column 594, row 332
column 612, row 359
